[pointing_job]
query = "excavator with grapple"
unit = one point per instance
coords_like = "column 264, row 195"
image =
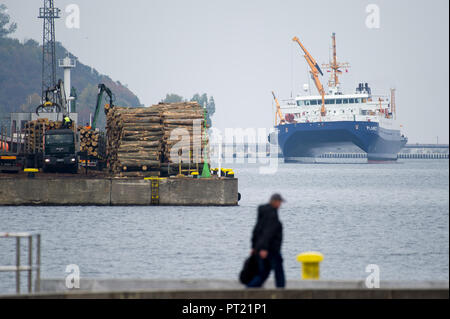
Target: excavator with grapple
column 102, row 88
column 98, row 162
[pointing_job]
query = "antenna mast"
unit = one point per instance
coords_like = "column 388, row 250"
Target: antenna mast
column 335, row 67
column 48, row 13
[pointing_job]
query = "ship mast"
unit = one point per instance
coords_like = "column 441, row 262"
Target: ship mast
column 335, row 68
column 393, row 106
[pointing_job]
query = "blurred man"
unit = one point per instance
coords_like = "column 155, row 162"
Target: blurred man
column 266, row 243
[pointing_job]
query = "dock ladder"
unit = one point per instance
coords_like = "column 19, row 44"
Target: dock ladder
column 154, row 189
column 18, row 268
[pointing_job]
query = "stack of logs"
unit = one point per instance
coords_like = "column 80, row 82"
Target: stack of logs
column 134, row 137
column 34, row 132
column 90, row 142
column 141, row 140
column 56, row 125
column 187, row 117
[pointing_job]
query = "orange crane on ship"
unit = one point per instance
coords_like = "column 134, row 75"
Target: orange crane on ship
column 280, row 115
column 315, row 71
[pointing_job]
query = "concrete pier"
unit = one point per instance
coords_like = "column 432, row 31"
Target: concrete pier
column 80, row 191
column 228, row 289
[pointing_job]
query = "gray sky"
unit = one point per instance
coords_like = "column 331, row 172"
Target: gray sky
column 238, row 51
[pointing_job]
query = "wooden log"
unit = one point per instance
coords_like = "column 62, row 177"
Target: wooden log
column 128, row 165
column 138, row 159
column 141, row 127
column 141, row 174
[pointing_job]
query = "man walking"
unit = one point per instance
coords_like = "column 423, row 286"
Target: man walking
column 266, row 243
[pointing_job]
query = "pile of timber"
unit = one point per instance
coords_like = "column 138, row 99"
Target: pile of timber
column 34, row 132
column 152, row 141
column 51, row 125
column 134, row 141
column 187, row 117
column 90, row 142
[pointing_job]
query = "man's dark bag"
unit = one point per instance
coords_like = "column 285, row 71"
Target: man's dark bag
column 250, row 269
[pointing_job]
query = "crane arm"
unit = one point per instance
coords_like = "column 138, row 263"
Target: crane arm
column 280, row 115
column 101, row 90
column 315, row 71
column 61, row 102
column 62, row 97
column 315, row 77
column 308, row 56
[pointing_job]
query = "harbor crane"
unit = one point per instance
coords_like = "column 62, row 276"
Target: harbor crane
column 315, row 71
column 280, row 115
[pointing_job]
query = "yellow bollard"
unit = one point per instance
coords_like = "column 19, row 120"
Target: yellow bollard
column 310, row 264
column 31, row 172
column 195, row 174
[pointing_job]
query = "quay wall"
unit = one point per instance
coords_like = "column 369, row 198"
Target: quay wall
column 118, row 192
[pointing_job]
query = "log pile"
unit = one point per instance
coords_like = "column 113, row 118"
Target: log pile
column 91, row 142
column 143, row 142
column 185, row 117
column 34, row 132
column 134, row 141
column 57, row 125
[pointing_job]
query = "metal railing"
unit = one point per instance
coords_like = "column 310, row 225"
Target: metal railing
column 18, row 268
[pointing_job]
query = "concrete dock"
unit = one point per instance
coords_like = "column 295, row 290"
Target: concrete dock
column 79, row 191
column 228, row 289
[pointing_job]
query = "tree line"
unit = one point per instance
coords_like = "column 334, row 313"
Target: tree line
column 202, row 99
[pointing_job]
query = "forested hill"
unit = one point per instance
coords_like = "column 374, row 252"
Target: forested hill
column 20, row 80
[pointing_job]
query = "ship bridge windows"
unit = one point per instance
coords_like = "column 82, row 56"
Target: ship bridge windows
column 346, row 101
column 303, row 102
column 309, row 102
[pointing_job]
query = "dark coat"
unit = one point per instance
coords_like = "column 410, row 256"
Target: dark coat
column 268, row 231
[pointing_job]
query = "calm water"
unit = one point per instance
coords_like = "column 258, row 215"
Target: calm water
column 395, row 216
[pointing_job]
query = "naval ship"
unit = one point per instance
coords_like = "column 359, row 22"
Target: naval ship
column 311, row 126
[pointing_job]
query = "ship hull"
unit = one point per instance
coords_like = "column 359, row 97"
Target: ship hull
column 302, row 142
